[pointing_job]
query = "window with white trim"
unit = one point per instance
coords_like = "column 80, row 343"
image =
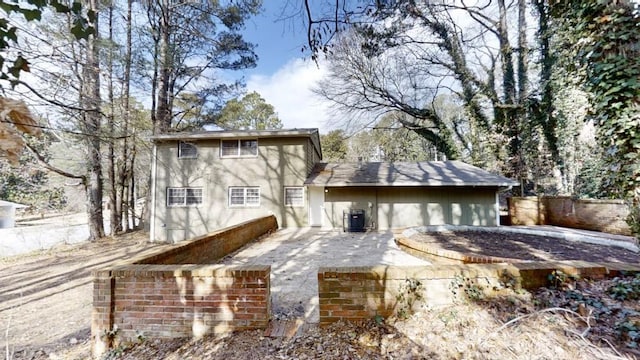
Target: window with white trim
column 239, row 148
column 187, row 150
column 294, row 196
column 244, row 196
column 184, row 196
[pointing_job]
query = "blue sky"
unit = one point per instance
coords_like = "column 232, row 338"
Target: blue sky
column 278, row 41
column 284, row 75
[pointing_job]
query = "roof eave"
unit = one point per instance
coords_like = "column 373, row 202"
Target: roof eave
column 212, row 135
column 432, row 184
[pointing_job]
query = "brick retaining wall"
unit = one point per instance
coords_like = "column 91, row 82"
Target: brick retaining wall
column 599, row 215
column 172, row 292
column 362, row 293
column 206, row 249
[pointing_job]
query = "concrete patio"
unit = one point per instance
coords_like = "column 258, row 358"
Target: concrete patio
column 296, row 254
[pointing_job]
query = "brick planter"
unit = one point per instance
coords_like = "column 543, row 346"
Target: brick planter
column 362, row 293
column 174, row 293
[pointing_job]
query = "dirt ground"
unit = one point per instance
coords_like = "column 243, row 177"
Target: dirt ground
column 525, row 247
column 45, row 313
column 45, row 297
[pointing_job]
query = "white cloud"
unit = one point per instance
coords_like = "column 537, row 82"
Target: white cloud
column 289, row 91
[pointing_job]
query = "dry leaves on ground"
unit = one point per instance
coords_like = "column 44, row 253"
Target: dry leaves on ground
column 579, row 320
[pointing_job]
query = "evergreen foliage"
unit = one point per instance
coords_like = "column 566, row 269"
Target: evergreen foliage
column 250, row 112
column 27, row 183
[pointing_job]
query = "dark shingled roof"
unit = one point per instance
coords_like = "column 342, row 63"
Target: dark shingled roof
column 225, row 134
column 428, row 173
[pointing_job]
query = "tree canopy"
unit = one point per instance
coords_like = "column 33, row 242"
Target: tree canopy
column 250, row 112
column 190, row 42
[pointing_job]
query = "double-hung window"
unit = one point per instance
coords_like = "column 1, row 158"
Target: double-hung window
column 239, row 148
column 294, row 196
column 244, row 196
column 184, row 196
column 187, row 150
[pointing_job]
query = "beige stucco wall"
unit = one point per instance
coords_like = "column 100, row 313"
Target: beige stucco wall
column 280, row 162
column 398, row 207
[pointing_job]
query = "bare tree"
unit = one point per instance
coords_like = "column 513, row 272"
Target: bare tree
column 401, row 55
column 367, row 86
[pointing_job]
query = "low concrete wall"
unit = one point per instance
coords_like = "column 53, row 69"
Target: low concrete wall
column 173, row 293
column 599, row 215
column 206, row 249
column 362, row 293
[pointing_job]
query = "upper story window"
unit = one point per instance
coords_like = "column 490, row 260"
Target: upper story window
column 184, row 196
column 239, row 148
column 187, row 150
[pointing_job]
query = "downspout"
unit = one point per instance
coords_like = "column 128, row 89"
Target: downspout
column 152, row 212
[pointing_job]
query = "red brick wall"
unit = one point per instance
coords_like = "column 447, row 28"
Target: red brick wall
column 598, row 215
column 165, row 301
column 173, row 293
column 362, row 293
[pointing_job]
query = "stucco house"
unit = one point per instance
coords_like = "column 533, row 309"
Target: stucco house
column 207, row 180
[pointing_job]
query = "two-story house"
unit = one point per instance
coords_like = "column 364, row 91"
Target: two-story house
column 208, row 180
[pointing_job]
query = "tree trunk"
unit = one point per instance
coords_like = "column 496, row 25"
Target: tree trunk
column 126, row 117
column 114, row 204
column 132, row 189
column 163, row 112
column 92, row 126
column 508, row 115
column 523, row 93
column 547, row 61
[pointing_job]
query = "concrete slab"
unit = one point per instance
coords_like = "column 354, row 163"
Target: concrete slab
column 296, row 254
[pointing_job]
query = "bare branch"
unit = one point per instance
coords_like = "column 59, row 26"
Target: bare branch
column 41, row 159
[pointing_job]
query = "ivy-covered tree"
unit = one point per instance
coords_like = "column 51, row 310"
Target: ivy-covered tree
column 604, row 35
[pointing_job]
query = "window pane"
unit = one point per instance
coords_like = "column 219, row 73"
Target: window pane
column 294, row 196
column 253, row 196
column 236, row 196
column 248, row 147
column 229, row 148
column 187, row 150
column 176, row 196
column 194, row 196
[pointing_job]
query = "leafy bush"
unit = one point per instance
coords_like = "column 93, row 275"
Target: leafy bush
column 625, row 288
column 633, row 219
